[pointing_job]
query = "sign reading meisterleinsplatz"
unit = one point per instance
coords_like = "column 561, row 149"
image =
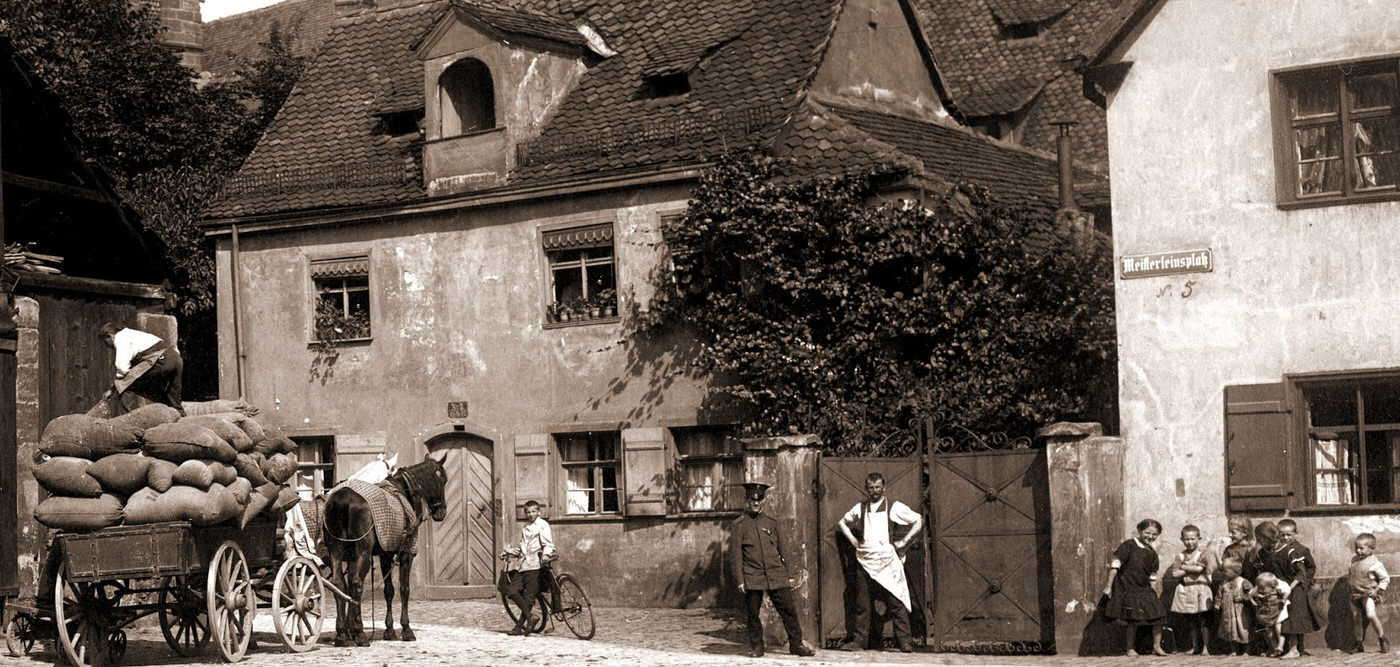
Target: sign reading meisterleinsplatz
column 1166, row 263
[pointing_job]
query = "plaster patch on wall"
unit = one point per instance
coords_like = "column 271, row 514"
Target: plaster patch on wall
column 1372, row 524
column 585, row 545
column 467, row 349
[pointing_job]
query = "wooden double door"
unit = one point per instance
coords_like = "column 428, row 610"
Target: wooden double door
column 461, row 549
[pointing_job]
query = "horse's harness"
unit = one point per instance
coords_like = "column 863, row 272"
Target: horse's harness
column 418, row 499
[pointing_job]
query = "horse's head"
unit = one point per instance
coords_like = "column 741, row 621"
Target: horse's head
column 428, row 481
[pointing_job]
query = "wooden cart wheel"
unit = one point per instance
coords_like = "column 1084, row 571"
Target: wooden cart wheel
column 298, row 610
column 81, row 613
column 19, row 635
column 184, row 616
column 232, row 603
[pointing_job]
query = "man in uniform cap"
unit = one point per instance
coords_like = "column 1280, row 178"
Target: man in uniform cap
column 759, row 564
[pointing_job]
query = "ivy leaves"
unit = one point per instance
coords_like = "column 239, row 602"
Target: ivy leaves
column 830, row 312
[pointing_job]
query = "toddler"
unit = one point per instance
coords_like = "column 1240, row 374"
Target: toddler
column 1270, row 599
column 1131, row 599
column 1234, row 591
column 1192, row 569
column 1368, row 580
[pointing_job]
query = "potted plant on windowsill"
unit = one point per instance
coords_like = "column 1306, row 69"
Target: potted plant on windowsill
column 606, row 302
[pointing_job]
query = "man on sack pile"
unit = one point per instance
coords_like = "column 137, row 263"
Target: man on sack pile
column 759, row 564
column 886, row 527
column 148, row 369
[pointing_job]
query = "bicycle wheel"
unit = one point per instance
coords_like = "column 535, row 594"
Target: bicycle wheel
column 574, row 608
column 541, row 611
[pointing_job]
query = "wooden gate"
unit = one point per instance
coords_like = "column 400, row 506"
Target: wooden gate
column 462, row 547
column 991, row 550
column 842, row 484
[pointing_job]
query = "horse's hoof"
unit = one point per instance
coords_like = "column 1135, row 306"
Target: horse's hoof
column 339, row 641
column 408, row 636
column 362, row 640
column 390, row 635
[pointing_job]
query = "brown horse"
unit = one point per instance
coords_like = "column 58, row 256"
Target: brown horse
column 352, row 537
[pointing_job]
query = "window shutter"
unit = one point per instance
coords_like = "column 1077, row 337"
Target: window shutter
column 531, row 471
column 1257, row 447
column 644, row 474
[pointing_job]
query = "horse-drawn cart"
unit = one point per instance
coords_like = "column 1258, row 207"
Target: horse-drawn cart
column 203, row 582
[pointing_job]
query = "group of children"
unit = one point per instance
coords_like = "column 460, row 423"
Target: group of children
column 1258, row 589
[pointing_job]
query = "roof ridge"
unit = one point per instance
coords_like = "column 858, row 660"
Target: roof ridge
column 381, row 13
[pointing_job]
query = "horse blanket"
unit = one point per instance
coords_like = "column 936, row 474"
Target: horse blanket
column 395, row 520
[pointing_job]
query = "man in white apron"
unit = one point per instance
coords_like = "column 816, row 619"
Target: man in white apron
column 886, row 527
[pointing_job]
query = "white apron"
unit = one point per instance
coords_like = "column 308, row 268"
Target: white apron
column 883, row 564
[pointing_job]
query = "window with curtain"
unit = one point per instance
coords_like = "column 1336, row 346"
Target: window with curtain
column 1353, row 431
column 709, row 469
column 590, row 462
column 583, row 274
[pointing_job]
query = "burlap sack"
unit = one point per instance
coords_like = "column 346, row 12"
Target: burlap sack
column 257, row 502
column 121, row 474
column 65, row 513
column 180, row 442
column 193, row 472
column 161, row 475
column 249, row 467
column 88, row 438
column 67, row 476
column 286, row 498
column 279, row 468
column 201, row 508
column 215, row 407
column 241, row 489
column 149, row 416
column 144, row 507
column 226, row 430
column 253, row 428
column 270, row 491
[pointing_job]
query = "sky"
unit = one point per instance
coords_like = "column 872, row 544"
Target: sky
column 215, row 9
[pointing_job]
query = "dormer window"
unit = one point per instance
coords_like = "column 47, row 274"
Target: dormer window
column 468, row 98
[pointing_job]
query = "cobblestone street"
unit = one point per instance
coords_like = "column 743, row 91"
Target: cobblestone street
column 473, row 633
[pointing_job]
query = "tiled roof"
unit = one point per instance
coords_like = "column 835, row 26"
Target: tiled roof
column 234, row 40
column 988, row 74
column 1021, row 12
column 520, row 21
column 748, row 61
column 1015, row 176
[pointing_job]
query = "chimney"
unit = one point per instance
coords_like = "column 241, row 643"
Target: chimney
column 184, row 30
column 1064, row 150
column 352, row 7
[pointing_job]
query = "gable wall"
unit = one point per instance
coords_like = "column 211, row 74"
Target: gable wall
column 1297, row 291
column 873, row 56
column 457, row 311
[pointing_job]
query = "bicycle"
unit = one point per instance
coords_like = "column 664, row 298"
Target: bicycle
column 560, row 598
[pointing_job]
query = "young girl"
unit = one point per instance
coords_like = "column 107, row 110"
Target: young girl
column 1292, row 562
column 1242, row 547
column 1131, row 600
column 1234, row 591
column 1270, row 599
column 1192, row 569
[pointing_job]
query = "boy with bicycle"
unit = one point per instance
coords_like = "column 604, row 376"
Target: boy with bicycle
column 536, row 550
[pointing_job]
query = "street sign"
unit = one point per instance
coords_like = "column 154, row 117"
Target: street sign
column 1166, row 263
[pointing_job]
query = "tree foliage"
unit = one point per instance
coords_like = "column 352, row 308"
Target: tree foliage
column 828, row 312
column 168, row 138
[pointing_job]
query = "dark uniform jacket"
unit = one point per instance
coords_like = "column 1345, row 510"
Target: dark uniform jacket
column 756, row 555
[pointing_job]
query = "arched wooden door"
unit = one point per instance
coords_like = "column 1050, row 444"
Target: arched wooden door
column 461, row 549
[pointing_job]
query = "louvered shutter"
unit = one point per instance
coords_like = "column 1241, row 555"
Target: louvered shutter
column 1257, row 447
column 644, row 475
column 532, row 471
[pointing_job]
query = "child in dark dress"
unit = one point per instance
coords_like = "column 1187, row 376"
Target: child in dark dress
column 1292, row 562
column 1131, row 599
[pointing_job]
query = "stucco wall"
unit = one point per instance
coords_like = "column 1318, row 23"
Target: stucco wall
column 457, row 303
column 1191, row 154
column 873, row 56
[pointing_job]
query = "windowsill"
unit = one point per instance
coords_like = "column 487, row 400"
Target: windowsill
column 614, row 319
column 1352, row 510
column 1318, row 202
column 342, row 341
column 710, row 514
column 588, row 518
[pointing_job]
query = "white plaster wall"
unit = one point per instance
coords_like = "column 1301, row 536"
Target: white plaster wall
column 1191, row 153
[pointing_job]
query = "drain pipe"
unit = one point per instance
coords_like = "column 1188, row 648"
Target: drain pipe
column 237, row 315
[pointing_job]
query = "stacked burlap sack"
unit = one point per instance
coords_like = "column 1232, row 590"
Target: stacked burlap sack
column 152, row 465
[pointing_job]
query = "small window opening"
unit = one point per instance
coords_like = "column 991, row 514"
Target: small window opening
column 399, row 123
column 1020, row 30
column 468, row 98
column 668, row 85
